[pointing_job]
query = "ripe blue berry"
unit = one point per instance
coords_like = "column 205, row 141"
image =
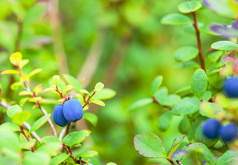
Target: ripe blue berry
column 211, row 128
column 58, row 116
column 230, row 87
column 73, row 110
column 228, row 133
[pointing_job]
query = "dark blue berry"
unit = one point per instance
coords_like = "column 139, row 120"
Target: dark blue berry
column 58, row 116
column 230, row 87
column 73, row 110
column 228, row 133
column 211, row 128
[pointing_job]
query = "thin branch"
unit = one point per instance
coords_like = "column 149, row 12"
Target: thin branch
column 157, row 102
column 195, row 25
column 27, row 137
column 57, row 38
column 89, row 97
column 71, row 154
column 34, row 134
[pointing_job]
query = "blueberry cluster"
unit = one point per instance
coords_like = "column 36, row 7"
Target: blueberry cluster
column 212, row 129
column 230, row 87
column 71, row 111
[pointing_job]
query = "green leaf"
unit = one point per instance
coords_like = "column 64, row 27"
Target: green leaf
column 10, row 126
column 186, row 53
column 34, row 72
column 104, row 94
column 165, row 121
column 177, row 141
column 209, row 109
column 28, row 144
column 176, row 19
column 20, row 117
column 215, row 55
column 80, row 98
column 56, row 80
column 92, row 118
column 36, row 158
column 9, row 72
column 48, row 139
column 225, row 45
column 39, row 123
column 111, row 163
column 76, row 137
column 16, row 58
column 140, row 103
column 229, row 157
column 199, row 83
column 11, row 154
column 207, row 96
column 98, row 102
column 72, row 81
column 23, row 63
column 186, row 106
column 58, row 159
column 149, row 145
column 201, row 148
column 67, row 88
column 156, row 84
column 9, row 140
column 50, row 148
column 12, row 110
column 35, row 13
column 189, row 6
column 98, row 87
column 179, row 155
column 88, row 153
column 184, row 125
column 170, row 100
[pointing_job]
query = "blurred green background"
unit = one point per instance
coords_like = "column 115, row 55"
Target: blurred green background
column 118, row 42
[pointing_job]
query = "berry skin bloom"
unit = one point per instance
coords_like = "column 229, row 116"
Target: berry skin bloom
column 230, row 87
column 58, row 116
column 73, row 110
column 211, row 128
column 228, row 133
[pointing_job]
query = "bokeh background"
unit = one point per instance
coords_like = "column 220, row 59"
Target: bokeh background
column 118, row 42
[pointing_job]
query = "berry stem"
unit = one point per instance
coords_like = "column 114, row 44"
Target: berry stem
column 89, row 97
column 71, row 154
column 27, row 137
column 60, row 93
column 195, row 25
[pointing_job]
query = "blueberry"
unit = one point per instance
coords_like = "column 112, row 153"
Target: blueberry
column 58, row 116
column 73, row 110
column 211, row 128
column 228, row 133
column 230, row 87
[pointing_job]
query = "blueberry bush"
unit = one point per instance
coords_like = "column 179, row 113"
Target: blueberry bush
column 208, row 123
column 113, row 82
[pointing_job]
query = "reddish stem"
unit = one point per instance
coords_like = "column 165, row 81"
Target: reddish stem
column 71, row 154
column 89, row 97
column 195, row 25
column 27, row 137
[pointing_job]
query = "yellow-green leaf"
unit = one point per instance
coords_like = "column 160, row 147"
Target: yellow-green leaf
column 16, row 58
column 10, row 72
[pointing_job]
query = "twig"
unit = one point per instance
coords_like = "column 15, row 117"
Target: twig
column 89, row 97
column 27, row 137
column 157, row 102
column 34, row 134
column 195, row 25
column 57, row 38
column 42, row 110
column 71, row 154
